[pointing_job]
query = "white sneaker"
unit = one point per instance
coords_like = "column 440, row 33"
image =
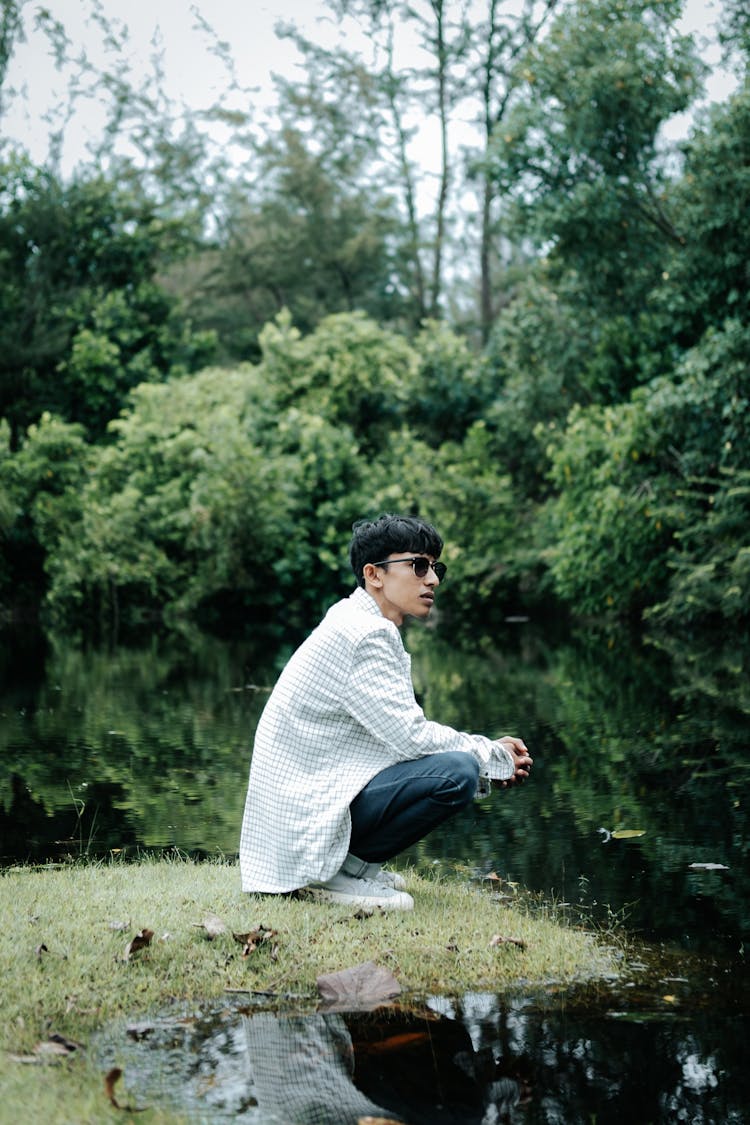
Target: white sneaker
column 345, row 890
column 387, row 878
column 361, row 869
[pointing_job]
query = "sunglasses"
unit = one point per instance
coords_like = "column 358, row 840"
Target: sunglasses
column 421, row 565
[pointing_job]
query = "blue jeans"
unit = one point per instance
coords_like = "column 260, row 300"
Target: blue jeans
column 404, row 802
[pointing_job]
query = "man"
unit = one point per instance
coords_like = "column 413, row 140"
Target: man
column 346, row 771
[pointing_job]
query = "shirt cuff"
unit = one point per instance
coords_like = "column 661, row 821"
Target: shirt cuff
column 500, row 765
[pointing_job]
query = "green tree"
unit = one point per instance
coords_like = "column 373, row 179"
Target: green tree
column 39, row 499
column 82, row 316
column 705, row 279
column 349, row 371
column 582, row 157
column 181, row 506
column 651, row 494
column 305, row 232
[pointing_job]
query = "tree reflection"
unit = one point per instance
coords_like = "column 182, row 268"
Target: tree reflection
column 480, row 1060
column 143, row 746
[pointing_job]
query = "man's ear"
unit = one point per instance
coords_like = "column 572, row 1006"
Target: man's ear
column 372, row 575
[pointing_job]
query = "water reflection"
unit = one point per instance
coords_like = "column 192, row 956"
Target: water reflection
column 481, row 1062
column 149, row 748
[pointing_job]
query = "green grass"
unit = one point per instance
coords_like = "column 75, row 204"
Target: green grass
column 64, row 970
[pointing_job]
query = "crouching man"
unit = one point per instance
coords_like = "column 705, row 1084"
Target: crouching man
column 346, row 769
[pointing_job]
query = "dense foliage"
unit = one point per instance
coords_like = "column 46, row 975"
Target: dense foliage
column 192, row 418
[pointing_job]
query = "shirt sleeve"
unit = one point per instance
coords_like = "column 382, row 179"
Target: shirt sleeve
column 380, row 696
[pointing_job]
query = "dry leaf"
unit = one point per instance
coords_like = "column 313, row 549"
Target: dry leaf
column 51, row 1050
column 253, row 938
column 140, row 941
column 111, row 1078
column 213, row 926
column 361, row 986
column 498, row 939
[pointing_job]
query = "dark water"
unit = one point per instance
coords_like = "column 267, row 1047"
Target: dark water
column 636, row 815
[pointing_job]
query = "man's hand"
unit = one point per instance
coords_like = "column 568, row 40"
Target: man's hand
column 521, row 759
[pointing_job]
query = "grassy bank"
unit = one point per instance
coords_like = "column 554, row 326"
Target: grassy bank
column 69, row 964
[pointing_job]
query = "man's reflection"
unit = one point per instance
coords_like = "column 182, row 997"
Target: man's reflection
column 338, row 1068
column 303, row 1069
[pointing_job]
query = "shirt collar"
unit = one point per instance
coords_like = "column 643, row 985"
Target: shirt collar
column 365, row 601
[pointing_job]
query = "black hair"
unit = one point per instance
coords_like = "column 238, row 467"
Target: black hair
column 374, row 540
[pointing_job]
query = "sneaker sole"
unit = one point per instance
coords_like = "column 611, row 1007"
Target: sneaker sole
column 397, row 901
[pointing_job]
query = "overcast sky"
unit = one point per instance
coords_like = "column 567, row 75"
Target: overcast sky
column 193, row 73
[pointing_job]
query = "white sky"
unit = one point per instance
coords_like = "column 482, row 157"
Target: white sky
column 194, row 74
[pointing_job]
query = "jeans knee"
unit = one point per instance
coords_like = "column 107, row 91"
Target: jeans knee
column 465, row 773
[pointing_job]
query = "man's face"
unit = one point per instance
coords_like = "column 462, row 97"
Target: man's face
column 398, row 590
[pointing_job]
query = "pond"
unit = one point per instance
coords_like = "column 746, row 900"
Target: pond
column 636, row 817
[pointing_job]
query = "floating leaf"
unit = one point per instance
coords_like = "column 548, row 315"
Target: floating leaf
column 363, row 985
column 140, row 941
column 627, row 833
column 376, row 1121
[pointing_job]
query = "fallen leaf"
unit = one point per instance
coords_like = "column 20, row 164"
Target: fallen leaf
column 362, row 985
column 253, row 938
column 51, row 1050
column 627, row 833
column 213, row 925
column 140, row 941
column 111, row 1078
column 498, row 939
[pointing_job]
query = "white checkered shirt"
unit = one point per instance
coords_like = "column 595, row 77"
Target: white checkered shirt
column 342, row 710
